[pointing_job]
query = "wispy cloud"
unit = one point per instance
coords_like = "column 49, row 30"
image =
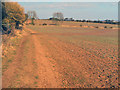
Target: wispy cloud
column 74, row 9
column 58, row 5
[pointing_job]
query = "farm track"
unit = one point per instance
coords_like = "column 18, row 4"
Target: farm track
column 30, row 68
column 44, row 61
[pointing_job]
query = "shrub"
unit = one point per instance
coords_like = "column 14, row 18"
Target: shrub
column 44, row 24
column 12, row 15
column 105, row 27
column 96, row 27
column 81, row 25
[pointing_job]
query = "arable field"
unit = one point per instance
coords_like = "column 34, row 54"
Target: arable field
column 55, row 56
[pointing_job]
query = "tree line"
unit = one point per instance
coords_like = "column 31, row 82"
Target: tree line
column 98, row 21
column 58, row 16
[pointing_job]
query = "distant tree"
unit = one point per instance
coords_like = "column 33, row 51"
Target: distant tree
column 57, row 17
column 83, row 20
column 32, row 15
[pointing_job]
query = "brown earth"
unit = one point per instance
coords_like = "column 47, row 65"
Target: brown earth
column 30, row 68
column 46, row 62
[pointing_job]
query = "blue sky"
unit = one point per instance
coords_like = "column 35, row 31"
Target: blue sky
column 76, row 10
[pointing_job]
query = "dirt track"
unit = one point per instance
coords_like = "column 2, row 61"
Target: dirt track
column 31, row 68
column 35, row 65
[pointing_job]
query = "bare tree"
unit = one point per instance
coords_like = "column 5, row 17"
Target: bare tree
column 57, row 17
column 32, row 14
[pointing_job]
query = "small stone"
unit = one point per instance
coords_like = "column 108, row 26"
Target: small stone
column 72, row 50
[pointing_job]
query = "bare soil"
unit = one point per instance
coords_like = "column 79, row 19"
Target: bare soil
column 43, row 61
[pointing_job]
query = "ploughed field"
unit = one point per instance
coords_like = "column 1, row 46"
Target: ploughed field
column 65, row 56
column 84, row 57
